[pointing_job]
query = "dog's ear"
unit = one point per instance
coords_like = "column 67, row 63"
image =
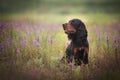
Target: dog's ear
column 81, row 26
column 78, row 24
column 82, row 31
column 81, row 35
column 75, row 23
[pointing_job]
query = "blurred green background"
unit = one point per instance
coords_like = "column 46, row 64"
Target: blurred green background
column 59, row 6
column 60, row 10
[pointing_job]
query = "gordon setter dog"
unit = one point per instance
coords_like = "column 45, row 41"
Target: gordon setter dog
column 78, row 48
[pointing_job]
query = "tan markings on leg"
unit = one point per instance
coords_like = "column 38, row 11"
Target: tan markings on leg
column 86, row 49
column 75, row 50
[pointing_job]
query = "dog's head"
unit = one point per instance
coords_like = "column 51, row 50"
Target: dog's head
column 73, row 26
column 68, row 28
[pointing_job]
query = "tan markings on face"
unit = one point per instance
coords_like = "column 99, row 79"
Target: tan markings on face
column 69, row 28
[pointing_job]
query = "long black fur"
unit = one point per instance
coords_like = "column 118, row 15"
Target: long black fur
column 79, row 39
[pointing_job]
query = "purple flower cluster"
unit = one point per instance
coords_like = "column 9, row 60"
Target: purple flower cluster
column 0, row 24
column 115, row 43
column 51, row 39
column 24, row 43
column 36, row 42
column 107, row 38
column 97, row 29
column 3, row 33
column 99, row 36
column 18, row 51
column 8, row 41
column 1, row 47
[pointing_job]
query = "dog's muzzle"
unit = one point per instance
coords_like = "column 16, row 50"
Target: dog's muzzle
column 64, row 25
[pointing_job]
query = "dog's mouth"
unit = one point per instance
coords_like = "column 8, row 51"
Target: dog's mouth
column 68, row 29
column 69, row 32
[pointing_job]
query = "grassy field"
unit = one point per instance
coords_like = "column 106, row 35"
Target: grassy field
column 32, row 41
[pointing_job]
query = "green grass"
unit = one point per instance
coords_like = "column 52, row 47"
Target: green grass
column 43, row 60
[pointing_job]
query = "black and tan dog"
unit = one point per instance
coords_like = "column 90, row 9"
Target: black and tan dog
column 79, row 47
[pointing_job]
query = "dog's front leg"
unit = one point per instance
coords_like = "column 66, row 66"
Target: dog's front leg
column 85, row 59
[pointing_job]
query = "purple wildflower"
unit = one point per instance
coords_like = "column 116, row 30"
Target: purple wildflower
column 99, row 36
column 34, row 27
column 8, row 41
column 1, row 24
column 36, row 42
column 119, row 39
column 51, row 40
column 115, row 43
column 18, row 51
column 7, row 24
column 3, row 33
column 16, row 24
column 107, row 38
column 119, row 27
column 24, row 43
column 97, row 30
column 1, row 47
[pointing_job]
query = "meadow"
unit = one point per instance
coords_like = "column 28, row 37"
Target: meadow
column 33, row 42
